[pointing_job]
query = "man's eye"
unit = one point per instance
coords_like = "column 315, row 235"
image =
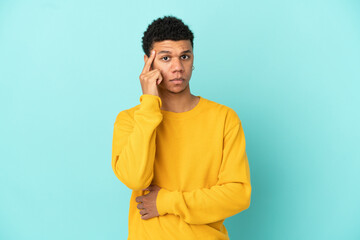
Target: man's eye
column 185, row 57
column 165, row 58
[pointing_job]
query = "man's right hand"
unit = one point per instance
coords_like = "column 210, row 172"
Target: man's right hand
column 150, row 78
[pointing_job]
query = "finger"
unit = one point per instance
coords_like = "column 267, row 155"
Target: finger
column 158, row 81
column 140, row 206
column 139, row 199
column 148, row 63
column 143, row 212
column 156, row 73
column 146, row 216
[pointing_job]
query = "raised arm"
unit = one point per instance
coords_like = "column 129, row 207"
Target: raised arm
column 229, row 196
column 133, row 148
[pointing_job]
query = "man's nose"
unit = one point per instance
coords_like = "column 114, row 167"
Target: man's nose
column 177, row 65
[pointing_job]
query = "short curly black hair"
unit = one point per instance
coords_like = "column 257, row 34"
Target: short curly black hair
column 166, row 28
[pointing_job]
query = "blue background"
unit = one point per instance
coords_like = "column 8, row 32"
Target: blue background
column 290, row 69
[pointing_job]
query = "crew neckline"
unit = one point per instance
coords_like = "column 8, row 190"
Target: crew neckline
column 186, row 114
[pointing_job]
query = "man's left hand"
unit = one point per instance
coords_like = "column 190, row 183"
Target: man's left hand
column 147, row 203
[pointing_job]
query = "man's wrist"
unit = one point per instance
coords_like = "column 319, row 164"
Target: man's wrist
column 164, row 202
column 150, row 101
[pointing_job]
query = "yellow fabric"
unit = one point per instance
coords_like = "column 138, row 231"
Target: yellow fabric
column 197, row 157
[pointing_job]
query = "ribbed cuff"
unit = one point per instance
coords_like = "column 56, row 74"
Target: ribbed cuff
column 165, row 201
column 149, row 101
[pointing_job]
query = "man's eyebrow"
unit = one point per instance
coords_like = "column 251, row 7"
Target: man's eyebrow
column 163, row 52
column 187, row 51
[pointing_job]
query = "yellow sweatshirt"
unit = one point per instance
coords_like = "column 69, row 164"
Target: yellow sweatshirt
column 198, row 159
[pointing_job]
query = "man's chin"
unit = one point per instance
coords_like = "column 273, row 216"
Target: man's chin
column 176, row 89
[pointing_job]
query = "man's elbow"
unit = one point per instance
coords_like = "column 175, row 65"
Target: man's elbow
column 134, row 182
column 137, row 184
column 244, row 203
column 247, row 195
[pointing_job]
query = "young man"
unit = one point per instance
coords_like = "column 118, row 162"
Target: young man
column 182, row 155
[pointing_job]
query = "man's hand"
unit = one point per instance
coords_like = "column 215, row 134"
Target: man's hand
column 150, row 78
column 147, row 203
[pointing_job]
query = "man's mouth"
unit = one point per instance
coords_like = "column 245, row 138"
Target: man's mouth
column 177, row 79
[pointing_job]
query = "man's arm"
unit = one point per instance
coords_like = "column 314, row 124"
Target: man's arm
column 229, row 196
column 133, row 149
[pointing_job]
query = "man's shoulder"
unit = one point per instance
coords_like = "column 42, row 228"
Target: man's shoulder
column 222, row 113
column 126, row 114
column 220, row 108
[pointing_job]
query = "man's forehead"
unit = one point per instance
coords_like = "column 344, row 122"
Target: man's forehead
column 173, row 46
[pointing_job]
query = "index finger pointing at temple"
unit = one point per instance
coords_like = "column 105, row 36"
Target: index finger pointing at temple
column 149, row 62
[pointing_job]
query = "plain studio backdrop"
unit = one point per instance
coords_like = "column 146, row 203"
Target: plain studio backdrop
column 290, row 69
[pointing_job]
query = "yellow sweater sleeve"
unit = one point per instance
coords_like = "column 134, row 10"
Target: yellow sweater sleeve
column 133, row 147
column 229, row 196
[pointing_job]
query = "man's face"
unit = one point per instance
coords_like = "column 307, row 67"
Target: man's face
column 174, row 59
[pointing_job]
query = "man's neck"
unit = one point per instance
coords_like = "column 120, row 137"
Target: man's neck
column 180, row 102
